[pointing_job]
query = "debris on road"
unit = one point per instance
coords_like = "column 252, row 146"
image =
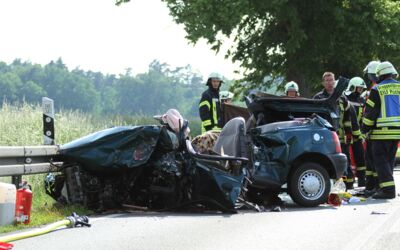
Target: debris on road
column 276, row 209
column 375, row 212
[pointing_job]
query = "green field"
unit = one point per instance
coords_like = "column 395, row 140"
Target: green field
column 22, row 125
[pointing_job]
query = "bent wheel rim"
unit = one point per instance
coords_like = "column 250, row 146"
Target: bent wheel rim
column 311, row 185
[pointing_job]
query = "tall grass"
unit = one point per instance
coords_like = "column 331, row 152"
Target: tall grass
column 22, row 125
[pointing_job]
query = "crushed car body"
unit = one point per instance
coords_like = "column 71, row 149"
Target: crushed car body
column 156, row 167
column 145, row 166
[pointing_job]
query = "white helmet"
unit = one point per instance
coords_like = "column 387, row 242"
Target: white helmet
column 291, row 86
column 214, row 76
column 355, row 82
column 371, row 67
column 225, row 95
column 386, row 68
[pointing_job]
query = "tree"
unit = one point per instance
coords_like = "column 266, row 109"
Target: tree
column 10, row 83
column 296, row 39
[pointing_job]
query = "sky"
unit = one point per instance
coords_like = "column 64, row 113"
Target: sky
column 99, row 36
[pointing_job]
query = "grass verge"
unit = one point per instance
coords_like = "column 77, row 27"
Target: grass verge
column 22, row 125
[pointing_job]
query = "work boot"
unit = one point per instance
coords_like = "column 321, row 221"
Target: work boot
column 370, row 182
column 349, row 185
column 361, row 183
column 361, row 180
column 384, row 194
column 369, row 192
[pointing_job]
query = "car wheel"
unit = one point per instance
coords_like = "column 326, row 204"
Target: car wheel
column 309, row 184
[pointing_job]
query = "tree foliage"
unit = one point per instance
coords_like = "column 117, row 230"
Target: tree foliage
column 153, row 92
column 296, row 39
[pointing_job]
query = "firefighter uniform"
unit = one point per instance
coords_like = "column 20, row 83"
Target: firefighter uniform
column 348, row 127
column 210, row 107
column 382, row 122
column 371, row 176
column 358, row 103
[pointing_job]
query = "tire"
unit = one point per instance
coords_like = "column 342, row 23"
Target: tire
column 309, row 184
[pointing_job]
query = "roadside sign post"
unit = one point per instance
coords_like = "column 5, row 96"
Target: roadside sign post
column 48, row 121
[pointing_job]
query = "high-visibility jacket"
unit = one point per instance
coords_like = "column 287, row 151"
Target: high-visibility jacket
column 347, row 120
column 382, row 111
column 358, row 103
column 210, row 111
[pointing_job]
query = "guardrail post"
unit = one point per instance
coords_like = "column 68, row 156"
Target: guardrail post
column 48, row 120
column 48, row 131
column 16, row 180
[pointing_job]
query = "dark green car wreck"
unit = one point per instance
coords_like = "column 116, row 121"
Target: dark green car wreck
column 284, row 142
column 143, row 166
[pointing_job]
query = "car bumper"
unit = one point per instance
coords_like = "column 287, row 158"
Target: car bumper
column 339, row 162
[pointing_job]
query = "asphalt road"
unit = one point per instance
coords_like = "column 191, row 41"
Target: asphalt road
column 373, row 224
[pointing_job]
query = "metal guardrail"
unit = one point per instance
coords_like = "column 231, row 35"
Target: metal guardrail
column 16, row 161
column 23, row 160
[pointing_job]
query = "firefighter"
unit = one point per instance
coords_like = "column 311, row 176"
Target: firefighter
column 226, row 97
column 382, row 123
column 370, row 74
column 353, row 93
column 292, row 89
column 209, row 106
column 371, row 176
column 348, row 128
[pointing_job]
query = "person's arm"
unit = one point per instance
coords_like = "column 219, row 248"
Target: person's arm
column 372, row 110
column 205, row 111
column 355, row 126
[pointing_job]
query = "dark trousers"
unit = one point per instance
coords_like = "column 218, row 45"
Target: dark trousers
column 371, row 176
column 384, row 158
column 348, row 173
column 358, row 154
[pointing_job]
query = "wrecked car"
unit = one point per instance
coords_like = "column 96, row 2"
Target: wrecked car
column 147, row 167
column 156, row 167
column 289, row 150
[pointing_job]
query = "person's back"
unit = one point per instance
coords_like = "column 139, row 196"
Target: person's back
column 382, row 124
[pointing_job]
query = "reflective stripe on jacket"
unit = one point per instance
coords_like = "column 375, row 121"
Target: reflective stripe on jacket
column 382, row 111
column 210, row 111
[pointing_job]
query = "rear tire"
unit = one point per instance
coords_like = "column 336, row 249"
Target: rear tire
column 309, row 184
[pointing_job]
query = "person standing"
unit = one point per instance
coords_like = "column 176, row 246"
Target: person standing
column 209, row 106
column 353, row 93
column 348, row 129
column 328, row 81
column 371, row 176
column 382, row 123
column 347, row 121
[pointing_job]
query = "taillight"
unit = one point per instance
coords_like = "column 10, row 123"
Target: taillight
column 335, row 139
